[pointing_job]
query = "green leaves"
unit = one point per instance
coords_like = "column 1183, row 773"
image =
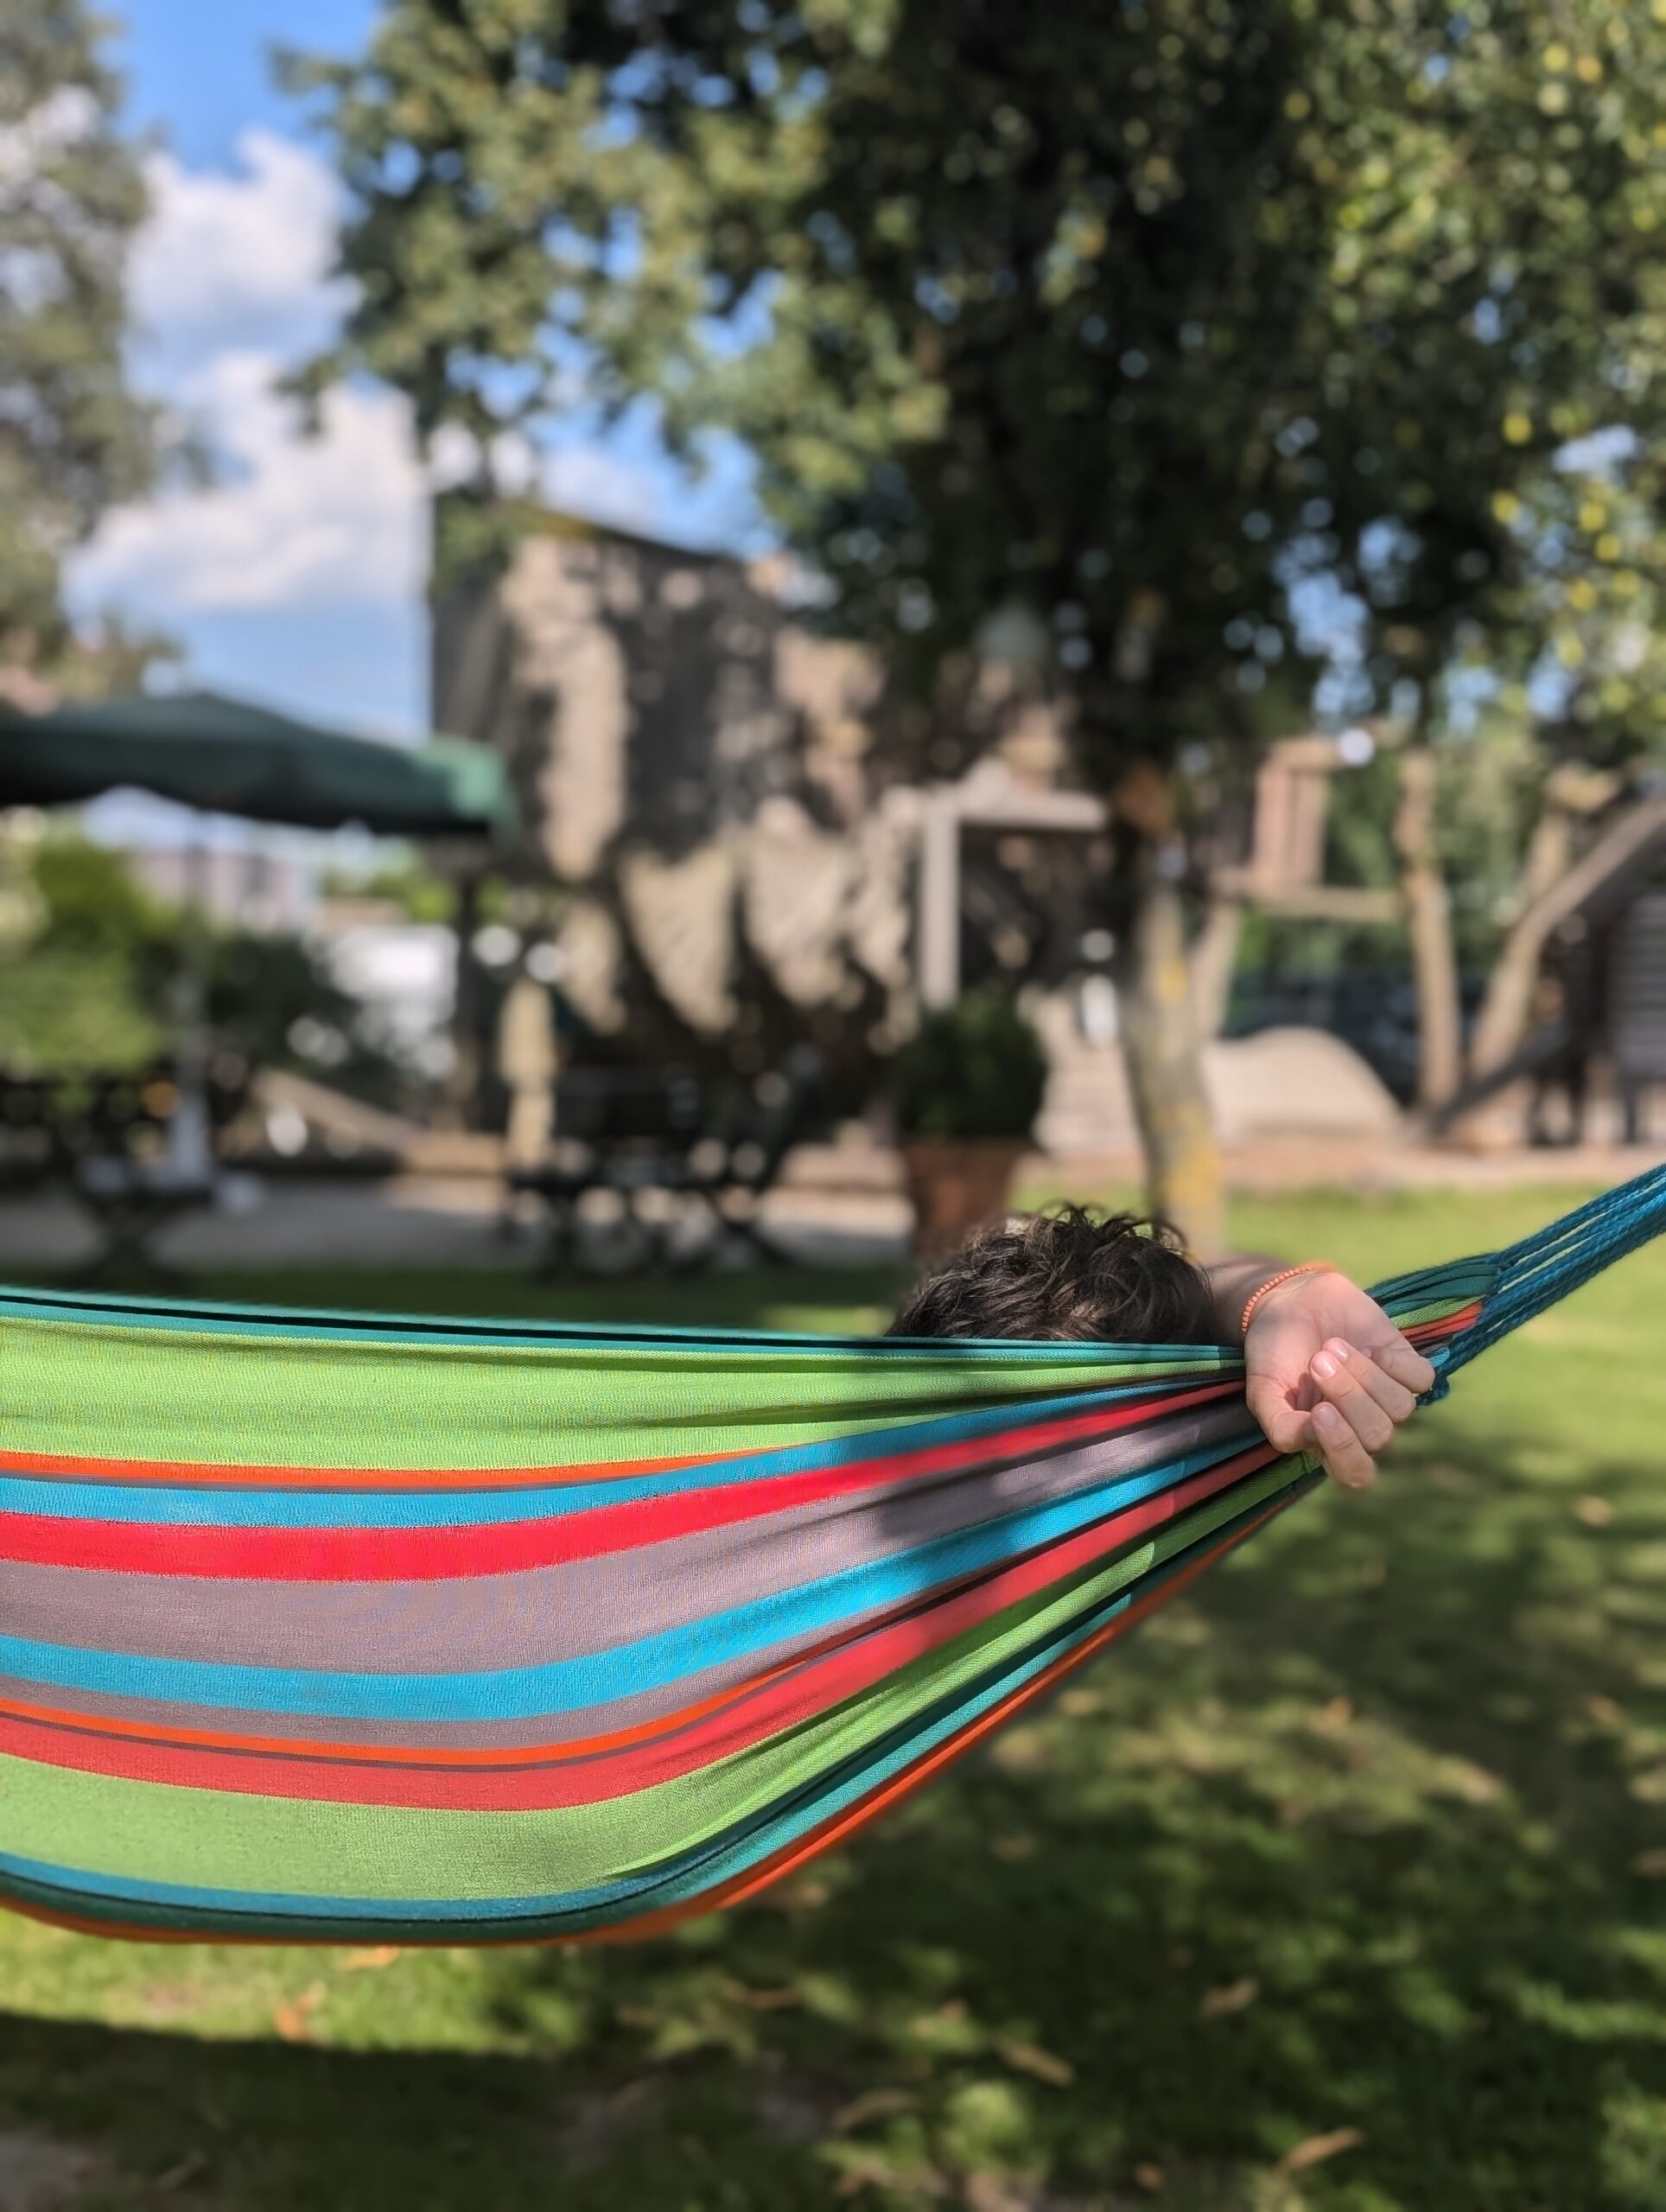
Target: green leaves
column 1160, row 306
column 72, row 439
column 973, row 1070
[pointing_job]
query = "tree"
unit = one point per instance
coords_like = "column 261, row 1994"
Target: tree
column 1137, row 320
column 1497, row 264
column 73, row 439
column 1596, row 531
column 85, row 959
column 92, row 965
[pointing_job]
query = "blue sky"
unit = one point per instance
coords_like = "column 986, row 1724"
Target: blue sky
column 296, row 574
column 198, row 72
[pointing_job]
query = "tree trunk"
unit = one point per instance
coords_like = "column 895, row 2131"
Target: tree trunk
column 1435, row 961
column 1214, row 957
column 1158, row 1023
column 1506, row 1010
column 1507, row 1007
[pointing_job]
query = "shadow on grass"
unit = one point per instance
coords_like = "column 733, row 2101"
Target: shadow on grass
column 1349, row 1843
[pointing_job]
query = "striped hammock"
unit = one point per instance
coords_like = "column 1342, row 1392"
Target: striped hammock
column 338, row 1628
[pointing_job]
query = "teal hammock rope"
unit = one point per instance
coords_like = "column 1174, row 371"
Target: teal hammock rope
column 1525, row 1278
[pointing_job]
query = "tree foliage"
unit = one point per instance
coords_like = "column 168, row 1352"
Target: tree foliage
column 1191, row 341
column 1131, row 317
column 86, row 960
column 92, row 967
column 73, row 437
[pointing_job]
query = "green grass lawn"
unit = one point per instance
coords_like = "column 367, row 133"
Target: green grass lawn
column 1340, row 1886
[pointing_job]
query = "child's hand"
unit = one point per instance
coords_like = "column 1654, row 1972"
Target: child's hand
column 1326, row 1368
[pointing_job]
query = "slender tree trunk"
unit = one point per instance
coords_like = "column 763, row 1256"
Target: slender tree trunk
column 1214, row 957
column 1507, row 1007
column 1434, row 960
column 1158, row 1023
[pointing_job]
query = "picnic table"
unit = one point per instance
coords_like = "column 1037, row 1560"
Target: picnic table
column 633, row 1132
column 135, row 1149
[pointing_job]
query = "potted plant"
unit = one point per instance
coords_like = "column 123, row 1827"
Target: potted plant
column 966, row 1089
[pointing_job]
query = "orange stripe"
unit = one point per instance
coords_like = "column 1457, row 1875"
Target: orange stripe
column 1187, row 1390
column 740, row 1887
column 1448, row 1325
column 193, row 1472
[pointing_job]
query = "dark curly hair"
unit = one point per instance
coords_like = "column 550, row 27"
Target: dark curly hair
column 1110, row 1278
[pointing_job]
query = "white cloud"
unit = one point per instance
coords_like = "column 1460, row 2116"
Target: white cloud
column 242, row 259
column 292, row 521
column 231, row 285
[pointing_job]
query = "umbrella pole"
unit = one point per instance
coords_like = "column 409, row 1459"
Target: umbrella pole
column 462, row 1086
column 188, row 1153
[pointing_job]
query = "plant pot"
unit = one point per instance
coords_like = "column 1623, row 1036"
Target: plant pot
column 956, row 1185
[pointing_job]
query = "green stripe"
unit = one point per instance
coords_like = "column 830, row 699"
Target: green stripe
column 105, row 1390
column 223, row 1840
column 1436, row 1309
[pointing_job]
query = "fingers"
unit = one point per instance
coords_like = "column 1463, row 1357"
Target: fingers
column 1346, row 1460
column 1362, row 1403
column 1395, row 1399
column 1405, row 1363
column 1285, row 1425
column 1339, row 1371
column 1345, row 1405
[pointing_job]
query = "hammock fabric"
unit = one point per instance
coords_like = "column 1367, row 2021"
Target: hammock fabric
column 334, row 1628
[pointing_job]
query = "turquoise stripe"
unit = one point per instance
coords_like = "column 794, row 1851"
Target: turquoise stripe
column 568, row 1686
column 207, row 1505
column 687, row 1874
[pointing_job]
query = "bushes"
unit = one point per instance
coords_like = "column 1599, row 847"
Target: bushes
column 975, row 1069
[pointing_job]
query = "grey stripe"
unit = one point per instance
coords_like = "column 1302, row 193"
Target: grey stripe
column 543, row 1616
column 569, row 1725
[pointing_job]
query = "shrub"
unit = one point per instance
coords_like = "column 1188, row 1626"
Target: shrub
column 973, row 1070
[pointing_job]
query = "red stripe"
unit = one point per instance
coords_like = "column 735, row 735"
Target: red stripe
column 501, row 1547
column 1425, row 1332
column 842, row 1825
column 220, row 1475
column 534, row 1782
column 741, row 1886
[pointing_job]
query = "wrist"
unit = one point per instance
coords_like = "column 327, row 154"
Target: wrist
column 1271, row 1288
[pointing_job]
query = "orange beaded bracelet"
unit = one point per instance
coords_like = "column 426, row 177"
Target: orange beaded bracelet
column 1308, row 1268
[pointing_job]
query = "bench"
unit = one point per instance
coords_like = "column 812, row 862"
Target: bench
column 632, row 1131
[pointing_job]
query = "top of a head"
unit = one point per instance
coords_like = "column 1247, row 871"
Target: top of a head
column 1071, row 1273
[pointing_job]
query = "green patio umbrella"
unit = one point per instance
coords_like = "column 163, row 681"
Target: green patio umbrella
column 227, row 757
